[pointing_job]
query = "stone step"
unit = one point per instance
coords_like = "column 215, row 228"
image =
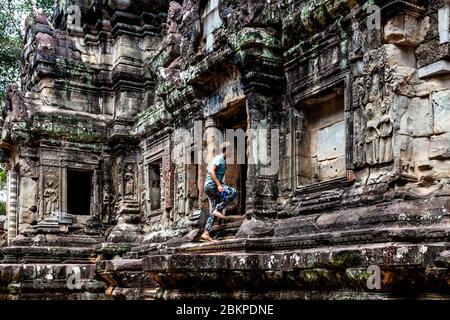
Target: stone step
column 431, row 234
column 227, row 225
column 227, row 229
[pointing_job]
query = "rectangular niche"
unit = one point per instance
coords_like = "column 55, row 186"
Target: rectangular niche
column 321, row 140
column 154, row 187
column 79, row 191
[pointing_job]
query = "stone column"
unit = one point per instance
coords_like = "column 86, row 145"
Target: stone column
column 213, row 138
column 12, row 205
column 263, row 80
column 263, row 155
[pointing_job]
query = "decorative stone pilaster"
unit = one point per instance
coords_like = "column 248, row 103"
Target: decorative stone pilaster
column 12, row 205
column 260, row 63
column 127, row 208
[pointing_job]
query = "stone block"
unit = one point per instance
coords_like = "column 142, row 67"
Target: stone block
column 303, row 166
column 29, row 187
column 397, row 56
column 405, row 30
column 331, row 141
column 27, row 216
column 357, row 68
column 331, row 169
column 432, row 51
column 441, row 111
column 417, row 120
column 440, row 147
column 444, row 24
column 61, row 51
column 437, row 68
column 420, row 148
column 45, row 41
column 420, row 113
column 128, row 52
column 304, row 141
column 26, row 228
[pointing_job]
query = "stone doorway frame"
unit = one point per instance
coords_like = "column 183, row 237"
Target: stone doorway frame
column 158, row 150
column 238, row 106
column 57, row 164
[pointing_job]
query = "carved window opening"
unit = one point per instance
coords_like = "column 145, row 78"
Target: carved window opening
column 154, row 179
column 211, row 22
column 321, row 140
column 79, row 190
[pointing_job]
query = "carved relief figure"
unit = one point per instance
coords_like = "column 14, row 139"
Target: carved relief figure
column 167, row 185
column 51, row 197
column 385, row 128
column 173, row 19
column 172, row 42
column 379, row 123
column 129, row 182
column 372, row 135
column 108, row 207
column 180, row 192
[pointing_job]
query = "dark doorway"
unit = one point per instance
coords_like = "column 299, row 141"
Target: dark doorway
column 154, row 172
column 79, row 184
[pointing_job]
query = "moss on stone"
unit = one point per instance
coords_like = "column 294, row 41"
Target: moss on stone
column 65, row 127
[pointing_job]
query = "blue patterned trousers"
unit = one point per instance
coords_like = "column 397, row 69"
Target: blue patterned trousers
column 219, row 201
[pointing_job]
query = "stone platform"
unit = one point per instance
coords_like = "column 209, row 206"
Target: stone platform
column 104, row 137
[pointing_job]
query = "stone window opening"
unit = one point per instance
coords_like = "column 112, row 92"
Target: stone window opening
column 79, row 190
column 211, row 21
column 154, row 180
column 321, row 141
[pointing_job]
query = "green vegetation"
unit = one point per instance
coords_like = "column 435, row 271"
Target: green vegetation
column 12, row 21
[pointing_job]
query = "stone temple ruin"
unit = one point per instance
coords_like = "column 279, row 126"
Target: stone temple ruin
column 101, row 205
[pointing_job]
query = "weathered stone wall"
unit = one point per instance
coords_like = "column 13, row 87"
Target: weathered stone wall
column 359, row 94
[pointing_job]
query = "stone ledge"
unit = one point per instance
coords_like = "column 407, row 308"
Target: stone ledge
column 437, row 68
column 243, row 295
column 338, row 268
column 49, row 281
column 52, row 255
column 387, row 253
